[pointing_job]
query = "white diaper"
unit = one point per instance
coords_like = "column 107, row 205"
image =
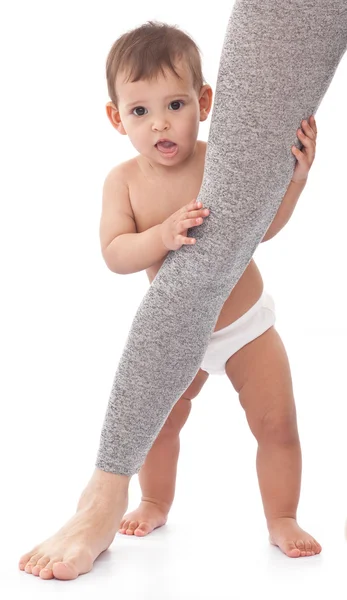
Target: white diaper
column 225, row 342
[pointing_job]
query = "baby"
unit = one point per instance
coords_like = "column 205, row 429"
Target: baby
column 158, row 98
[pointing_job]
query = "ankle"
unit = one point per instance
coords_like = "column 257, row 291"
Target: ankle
column 104, row 488
column 276, row 519
column 162, row 506
column 112, row 480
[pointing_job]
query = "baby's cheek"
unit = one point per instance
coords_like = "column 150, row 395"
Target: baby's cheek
column 192, row 128
column 138, row 140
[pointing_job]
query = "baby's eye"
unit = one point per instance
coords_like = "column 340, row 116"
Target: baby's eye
column 139, row 111
column 176, row 104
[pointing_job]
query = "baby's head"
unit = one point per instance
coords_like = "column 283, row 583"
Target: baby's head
column 157, row 91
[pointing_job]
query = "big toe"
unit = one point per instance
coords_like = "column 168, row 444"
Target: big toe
column 143, row 529
column 291, row 550
column 59, row 570
column 65, row 570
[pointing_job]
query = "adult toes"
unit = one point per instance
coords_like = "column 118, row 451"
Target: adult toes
column 41, row 564
column 47, row 571
column 25, row 559
column 32, row 562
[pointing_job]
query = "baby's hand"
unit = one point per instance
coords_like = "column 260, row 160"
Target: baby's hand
column 305, row 157
column 174, row 228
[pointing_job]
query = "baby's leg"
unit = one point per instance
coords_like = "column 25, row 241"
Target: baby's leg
column 158, row 473
column 260, row 373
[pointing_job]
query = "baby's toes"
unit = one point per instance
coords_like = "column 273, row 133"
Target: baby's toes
column 131, row 527
column 143, row 529
column 300, row 544
column 308, row 548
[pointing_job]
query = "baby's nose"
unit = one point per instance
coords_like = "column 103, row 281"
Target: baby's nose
column 160, row 125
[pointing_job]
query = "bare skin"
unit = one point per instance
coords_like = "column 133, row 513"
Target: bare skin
column 260, row 373
column 74, row 548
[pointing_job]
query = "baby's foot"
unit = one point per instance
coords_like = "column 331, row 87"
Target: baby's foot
column 143, row 520
column 74, row 548
column 291, row 539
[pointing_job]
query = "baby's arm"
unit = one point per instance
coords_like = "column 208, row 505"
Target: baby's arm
column 305, row 157
column 285, row 210
column 123, row 249
column 126, row 251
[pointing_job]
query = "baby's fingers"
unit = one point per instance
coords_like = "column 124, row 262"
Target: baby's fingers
column 306, row 140
column 313, row 124
column 310, row 128
column 305, row 159
column 185, row 240
column 301, row 156
column 297, row 153
column 188, row 223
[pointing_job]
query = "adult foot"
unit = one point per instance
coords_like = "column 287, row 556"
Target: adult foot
column 74, row 548
column 143, row 520
column 291, row 539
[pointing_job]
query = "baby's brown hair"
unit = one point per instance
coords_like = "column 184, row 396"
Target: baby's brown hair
column 147, row 50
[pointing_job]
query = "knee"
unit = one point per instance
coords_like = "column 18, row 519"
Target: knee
column 177, row 418
column 277, row 427
column 196, row 386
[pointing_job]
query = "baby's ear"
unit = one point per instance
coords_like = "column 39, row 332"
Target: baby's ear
column 114, row 118
column 205, row 101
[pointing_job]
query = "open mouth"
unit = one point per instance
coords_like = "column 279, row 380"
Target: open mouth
column 167, row 148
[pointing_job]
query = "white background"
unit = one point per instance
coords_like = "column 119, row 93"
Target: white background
column 65, row 318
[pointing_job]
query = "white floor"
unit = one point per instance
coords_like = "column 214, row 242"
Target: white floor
column 180, row 564
column 215, row 543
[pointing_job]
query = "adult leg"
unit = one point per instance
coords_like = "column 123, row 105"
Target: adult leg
column 277, row 62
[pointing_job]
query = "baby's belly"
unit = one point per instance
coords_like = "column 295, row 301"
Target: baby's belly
column 245, row 293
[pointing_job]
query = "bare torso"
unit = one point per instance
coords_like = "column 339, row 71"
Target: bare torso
column 154, row 198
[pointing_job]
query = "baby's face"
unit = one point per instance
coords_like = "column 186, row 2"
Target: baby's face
column 161, row 116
